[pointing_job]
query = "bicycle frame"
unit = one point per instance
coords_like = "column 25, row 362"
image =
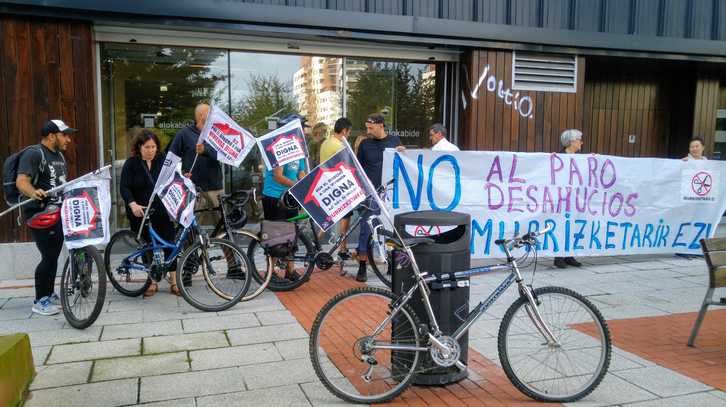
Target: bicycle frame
column 158, row 243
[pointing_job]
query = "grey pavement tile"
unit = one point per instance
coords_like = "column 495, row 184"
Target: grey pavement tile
column 113, row 393
column 188, row 402
column 275, row 317
column 319, row 396
column 649, row 265
column 40, row 354
column 154, row 315
column 485, row 328
column 25, row 292
column 284, row 396
column 698, row 399
column 718, row 393
column 140, row 366
column 268, row 375
column 234, row 356
column 126, row 305
column 141, row 330
column 487, row 347
column 218, row 323
column 121, row 317
column 613, row 391
column 634, row 311
column 191, row 384
column 64, row 374
column 94, row 350
column 266, row 334
column 62, row 336
column 173, row 343
column 30, row 325
column 15, row 313
column 294, row 349
column 662, row 381
column 610, row 268
column 633, row 357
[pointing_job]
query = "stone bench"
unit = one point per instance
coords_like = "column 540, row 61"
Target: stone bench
column 16, row 368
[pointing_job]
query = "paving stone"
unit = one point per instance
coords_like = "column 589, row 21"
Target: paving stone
column 40, row 354
column 698, row 399
column 614, row 391
column 126, row 305
column 121, row 317
column 62, row 336
column 188, row 402
column 319, row 396
column 662, row 381
column 192, row 384
column 294, row 349
column 283, row 396
column 95, row 350
column 266, row 334
column 30, row 325
column 218, row 323
column 64, row 374
column 234, row 356
column 15, row 313
column 167, row 314
column 113, row 393
column 140, row 366
column 141, row 330
column 627, row 312
column 173, row 343
column 275, row 317
column 268, row 375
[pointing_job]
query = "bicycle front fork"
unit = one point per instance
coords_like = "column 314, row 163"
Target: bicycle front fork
column 536, row 317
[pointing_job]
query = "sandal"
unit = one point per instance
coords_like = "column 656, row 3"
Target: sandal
column 153, row 288
column 175, row 289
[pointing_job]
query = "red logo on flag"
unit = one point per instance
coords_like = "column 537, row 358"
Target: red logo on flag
column 229, row 132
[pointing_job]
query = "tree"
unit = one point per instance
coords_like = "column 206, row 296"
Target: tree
column 267, row 94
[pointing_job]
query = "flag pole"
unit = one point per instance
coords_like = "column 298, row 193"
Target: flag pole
column 202, row 132
column 52, row 190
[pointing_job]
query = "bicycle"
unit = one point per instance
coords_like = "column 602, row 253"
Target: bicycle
column 81, row 297
column 232, row 220
column 313, row 255
column 131, row 265
column 377, row 341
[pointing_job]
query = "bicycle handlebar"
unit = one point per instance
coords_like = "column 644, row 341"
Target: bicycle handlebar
column 527, row 238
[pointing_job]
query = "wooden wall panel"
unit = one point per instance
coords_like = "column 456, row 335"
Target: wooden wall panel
column 46, row 72
column 491, row 124
column 706, row 103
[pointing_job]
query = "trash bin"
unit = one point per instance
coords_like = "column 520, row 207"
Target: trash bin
column 449, row 253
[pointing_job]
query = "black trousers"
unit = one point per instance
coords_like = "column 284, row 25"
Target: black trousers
column 162, row 224
column 50, row 243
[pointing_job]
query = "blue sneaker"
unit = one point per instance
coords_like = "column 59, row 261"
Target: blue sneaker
column 44, row 306
column 54, row 299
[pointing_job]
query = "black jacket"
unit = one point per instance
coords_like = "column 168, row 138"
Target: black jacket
column 207, row 172
column 137, row 183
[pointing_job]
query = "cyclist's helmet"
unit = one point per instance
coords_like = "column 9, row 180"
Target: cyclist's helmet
column 237, row 217
column 287, row 119
column 45, row 218
column 288, row 202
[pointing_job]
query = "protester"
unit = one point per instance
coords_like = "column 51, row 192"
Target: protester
column 437, row 136
column 571, row 141
column 330, row 146
column 695, row 150
column 138, row 177
column 370, row 156
column 359, row 139
column 207, row 171
column 41, row 168
column 319, row 133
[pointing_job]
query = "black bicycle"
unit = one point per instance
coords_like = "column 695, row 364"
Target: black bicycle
column 83, row 287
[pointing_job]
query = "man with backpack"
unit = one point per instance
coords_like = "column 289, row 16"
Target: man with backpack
column 40, row 168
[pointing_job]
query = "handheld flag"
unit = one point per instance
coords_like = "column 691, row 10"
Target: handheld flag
column 231, row 142
column 332, row 189
column 283, row 145
column 179, row 195
column 172, row 162
column 85, row 211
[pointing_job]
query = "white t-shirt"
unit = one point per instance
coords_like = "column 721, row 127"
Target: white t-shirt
column 444, row 145
column 689, row 157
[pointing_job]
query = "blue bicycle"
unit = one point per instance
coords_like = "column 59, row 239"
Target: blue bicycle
column 212, row 274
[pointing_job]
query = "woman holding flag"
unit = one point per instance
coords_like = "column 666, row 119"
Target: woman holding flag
column 138, row 177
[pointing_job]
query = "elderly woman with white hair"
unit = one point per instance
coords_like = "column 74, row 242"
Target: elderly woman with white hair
column 571, row 141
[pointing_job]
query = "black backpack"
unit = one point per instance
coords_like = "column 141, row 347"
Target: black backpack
column 10, row 174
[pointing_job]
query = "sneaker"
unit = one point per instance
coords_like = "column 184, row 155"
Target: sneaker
column 572, row 262
column 44, row 307
column 55, row 299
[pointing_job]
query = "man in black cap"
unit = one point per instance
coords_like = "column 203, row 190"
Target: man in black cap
column 40, row 168
column 370, row 156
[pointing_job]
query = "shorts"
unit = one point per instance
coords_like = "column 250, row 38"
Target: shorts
column 273, row 210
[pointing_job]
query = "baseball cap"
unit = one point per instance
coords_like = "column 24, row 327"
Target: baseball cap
column 57, row 126
column 375, row 118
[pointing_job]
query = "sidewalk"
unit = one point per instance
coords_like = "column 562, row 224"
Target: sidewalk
column 163, row 352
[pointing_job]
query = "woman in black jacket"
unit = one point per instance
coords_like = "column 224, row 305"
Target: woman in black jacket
column 138, row 178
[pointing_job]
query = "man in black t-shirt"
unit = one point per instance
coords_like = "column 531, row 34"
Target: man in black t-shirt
column 41, row 168
column 370, row 156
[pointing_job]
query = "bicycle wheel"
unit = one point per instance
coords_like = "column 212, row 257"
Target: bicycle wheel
column 343, row 347
column 567, row 371
column 83, row 287
column 301, row 263
column 127, row 266
column 379, row 260
column 214, row 276
column 259, row 262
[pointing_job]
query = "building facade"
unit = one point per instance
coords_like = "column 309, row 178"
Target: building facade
column 639, row 77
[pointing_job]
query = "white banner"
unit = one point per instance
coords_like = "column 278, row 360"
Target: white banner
column 231, row 142
column 283, row 145
column 85, row 211
column 179, row 195
column 599, row 205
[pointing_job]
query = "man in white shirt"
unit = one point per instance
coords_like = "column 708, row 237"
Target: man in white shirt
column 437, row 135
